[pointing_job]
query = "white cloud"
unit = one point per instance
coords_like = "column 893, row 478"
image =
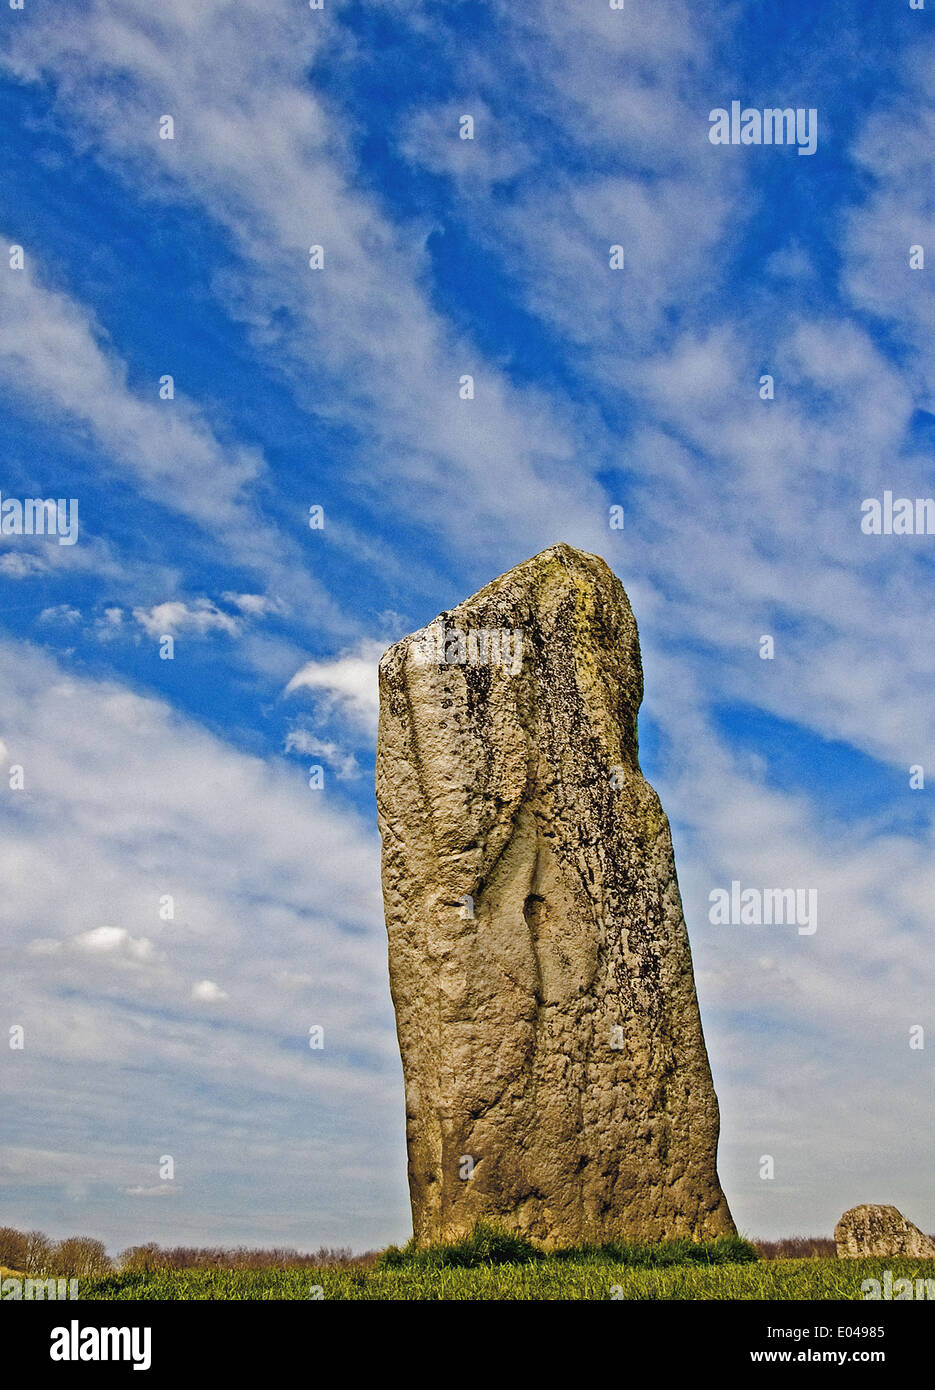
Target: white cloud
column 21, row 565
column 349, row 682
column 126, row 805
column 114, row 940
column 897, row 213
column 61, row 613
column 494, row 154
column 109, row 624
column 29, row 558
column 201, row 616
column 100, row 942
column 302, row 741
column 254, row 605
column 207, row 992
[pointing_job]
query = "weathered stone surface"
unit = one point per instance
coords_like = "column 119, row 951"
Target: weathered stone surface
column 539, row 961
column 870, row 1230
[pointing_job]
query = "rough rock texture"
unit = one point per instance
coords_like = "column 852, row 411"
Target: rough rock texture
column 882, row 1231
column 539, row 962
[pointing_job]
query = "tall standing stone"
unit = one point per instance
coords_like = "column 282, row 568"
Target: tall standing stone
column 555, row 1068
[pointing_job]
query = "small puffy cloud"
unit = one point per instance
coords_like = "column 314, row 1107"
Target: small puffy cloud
column 111, row 942
column 114, row 941
column 201, row 616
column 109, row 624
column 345, row 764
column 438, row 140
column 349, row 682
column 207, row 992
column 254, row 605
column 21, row 564
column 791, row 262
column 61, row 613
column 44, row 946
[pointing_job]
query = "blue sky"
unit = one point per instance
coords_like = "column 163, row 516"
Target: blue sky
column 340, row 387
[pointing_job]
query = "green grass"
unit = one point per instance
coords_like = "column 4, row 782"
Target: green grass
column 540, row 1279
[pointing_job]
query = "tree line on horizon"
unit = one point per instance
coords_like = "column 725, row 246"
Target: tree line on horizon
column 84, row 1257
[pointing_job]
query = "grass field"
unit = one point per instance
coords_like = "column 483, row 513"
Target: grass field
column 547, row 1279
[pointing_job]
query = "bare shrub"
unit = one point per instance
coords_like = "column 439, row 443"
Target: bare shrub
column 13, row 1247
column 38, row 1253
column 143, row 1258
column 80, row 1257
column 797, row 1248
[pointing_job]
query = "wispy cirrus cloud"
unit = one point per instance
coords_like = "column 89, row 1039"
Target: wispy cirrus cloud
column 54, row 354
column 261, row 153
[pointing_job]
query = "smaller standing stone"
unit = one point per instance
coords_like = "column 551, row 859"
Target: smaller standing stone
column 883, row 1232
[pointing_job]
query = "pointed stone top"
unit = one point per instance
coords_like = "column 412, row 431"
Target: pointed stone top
column 566, row 622
column 536, row 584
column 549, row 563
